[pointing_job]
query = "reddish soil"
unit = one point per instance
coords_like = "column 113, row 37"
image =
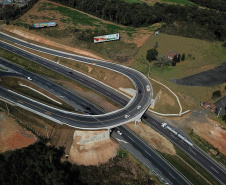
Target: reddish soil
column 12, row 135
column 203, row 126
column 21, row 138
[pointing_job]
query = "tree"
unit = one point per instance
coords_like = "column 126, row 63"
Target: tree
column 178, row 58
column 175, row 58
column 216, row 94
column 183, row 57
column 174, row 63
column 161, row 61
column 152, row 54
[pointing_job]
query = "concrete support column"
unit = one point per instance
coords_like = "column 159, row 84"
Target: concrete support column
column 137, row 121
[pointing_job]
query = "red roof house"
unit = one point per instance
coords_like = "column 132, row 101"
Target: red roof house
column 170, row 54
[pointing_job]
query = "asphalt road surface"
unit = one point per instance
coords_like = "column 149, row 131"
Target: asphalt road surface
column 147, row 155
column 207, row 78
column 221, row 105
column 109, row 120
column 206, row 162
column 164, row 170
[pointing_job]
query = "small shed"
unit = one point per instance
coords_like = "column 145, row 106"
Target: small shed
column 170, row 54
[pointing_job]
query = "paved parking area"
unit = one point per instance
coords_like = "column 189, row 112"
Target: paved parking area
column 221, row 105
column 207, row 78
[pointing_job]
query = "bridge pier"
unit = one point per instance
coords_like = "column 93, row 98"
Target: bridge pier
column 137, row 121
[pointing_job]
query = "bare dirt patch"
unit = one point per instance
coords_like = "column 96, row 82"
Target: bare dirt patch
column 12, row 135
column 154, row 139
column 204, row 127
column 91, row 153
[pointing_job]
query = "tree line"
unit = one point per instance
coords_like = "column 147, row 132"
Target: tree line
column 10, row 13
column 213, row 4
column 39, row 164
column 190, row 20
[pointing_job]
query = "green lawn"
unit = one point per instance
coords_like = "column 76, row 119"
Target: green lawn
column 72, row 16
column 206, row 55
column 181, row 2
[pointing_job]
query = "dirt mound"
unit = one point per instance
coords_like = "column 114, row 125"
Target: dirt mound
column 12, row 135
column 154, row 139
column 93, row 153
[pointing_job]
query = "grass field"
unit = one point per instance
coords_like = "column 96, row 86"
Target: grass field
column 12, row 84
column 206, row 55
column 208, row 148
column 43, row 71
column 77, row 29
column 181, row 2
column 178, row 162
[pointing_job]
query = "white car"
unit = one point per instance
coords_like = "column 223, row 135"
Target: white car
column 127, row 115
column 139, row 107
column 119, row 133
column 164, row 124
column 29, row 78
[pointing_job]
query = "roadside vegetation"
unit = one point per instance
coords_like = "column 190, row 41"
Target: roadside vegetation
column 76, row 28
column 45, row 72
column 208, row 148
column 173, row 17
column 12, row 83
column 199, row 56
column 181, row 161
column 42, row 164
column 189, row 168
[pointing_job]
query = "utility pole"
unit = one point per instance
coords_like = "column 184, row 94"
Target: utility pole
column 219, row 112
column 148, row 69
column 7, row 109
column 47, row 132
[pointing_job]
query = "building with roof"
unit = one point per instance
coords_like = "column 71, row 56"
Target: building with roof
column 170, row 54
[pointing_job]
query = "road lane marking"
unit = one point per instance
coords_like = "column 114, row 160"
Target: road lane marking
column 171, row 175
column 148, row 153
column 193, row 152
column 214, row 170
column 131, row 138
column 121, row 140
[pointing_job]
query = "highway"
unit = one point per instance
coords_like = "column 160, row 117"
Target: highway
column 150, row 158
column 129, row 112
column 206, row 162
column 164, row 169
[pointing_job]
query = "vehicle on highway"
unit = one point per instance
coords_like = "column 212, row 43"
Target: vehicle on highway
column 70, row 72
column 29, row 78
column 139, row 107
column 184, row 139
column 119, row 133
column 127, row 115
column 148, row 88
column 164, row 124
column 139, row 91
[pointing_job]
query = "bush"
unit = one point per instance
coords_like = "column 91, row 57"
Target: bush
column 216, row 94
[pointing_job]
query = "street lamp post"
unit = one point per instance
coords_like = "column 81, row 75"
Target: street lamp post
column 47, row 132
